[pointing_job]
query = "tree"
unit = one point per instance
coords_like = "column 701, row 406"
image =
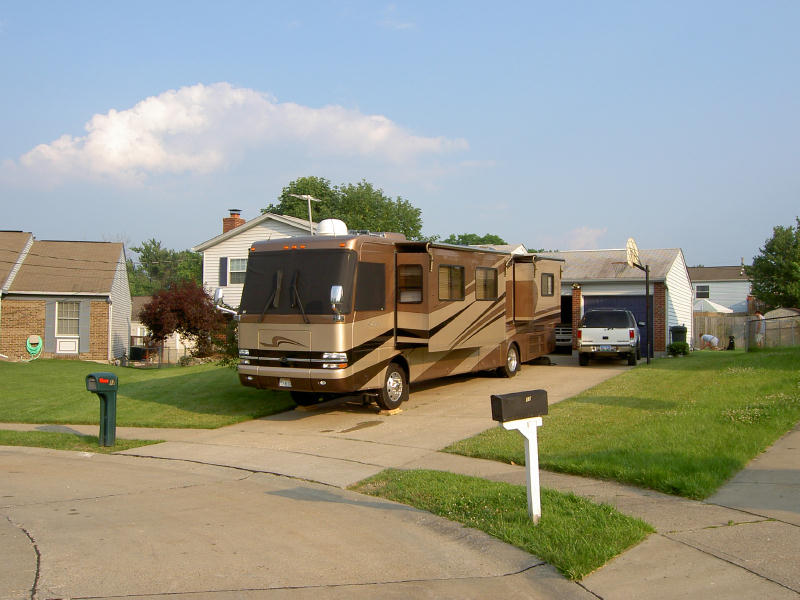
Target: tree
column 360, row 206
column 775, row 273
column 473, row 239
column 158, row 267
column 186, row 308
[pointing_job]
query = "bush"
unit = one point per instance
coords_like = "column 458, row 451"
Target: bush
column 678, row 348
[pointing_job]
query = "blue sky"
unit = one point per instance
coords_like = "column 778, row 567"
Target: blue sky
column 562, row 125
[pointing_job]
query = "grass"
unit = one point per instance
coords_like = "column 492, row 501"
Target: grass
column 574, row 535
column 681, row 426
column 202, row 396
column 66, row 441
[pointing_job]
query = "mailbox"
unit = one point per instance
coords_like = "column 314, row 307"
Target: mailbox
column 105, row 386
column 519, row 405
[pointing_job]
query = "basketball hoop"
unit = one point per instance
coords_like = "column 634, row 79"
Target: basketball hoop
column 632, row 253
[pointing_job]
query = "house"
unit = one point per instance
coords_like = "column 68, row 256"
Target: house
column 73, row 295
column 727, row 286
column 602, row 279
column 225, row 256
column 175, row 346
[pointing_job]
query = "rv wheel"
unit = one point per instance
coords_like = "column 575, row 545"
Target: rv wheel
column 395, row 388
column 511, row 366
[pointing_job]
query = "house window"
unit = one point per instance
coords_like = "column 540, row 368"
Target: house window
column 409, row 283
column 67, row 318
column 451, row 282
column 548, row 284
column 702, row 291
column 485, row 283
column 238, row 270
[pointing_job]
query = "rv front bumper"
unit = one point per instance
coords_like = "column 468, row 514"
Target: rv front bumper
column 334, row 381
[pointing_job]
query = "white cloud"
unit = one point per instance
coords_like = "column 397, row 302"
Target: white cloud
column 584, row 238
column 203, row 128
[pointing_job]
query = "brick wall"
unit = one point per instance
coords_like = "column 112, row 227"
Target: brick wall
column 576, row 314
column 18, row 320
column 659, row 317
column 22, row 318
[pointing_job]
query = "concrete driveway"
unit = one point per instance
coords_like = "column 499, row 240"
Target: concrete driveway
column 342, row 444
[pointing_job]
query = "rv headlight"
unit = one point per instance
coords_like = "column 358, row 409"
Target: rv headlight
column 338, row 360
column 244, row 361
column 244, row 352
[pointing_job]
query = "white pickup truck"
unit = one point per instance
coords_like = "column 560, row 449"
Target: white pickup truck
column 609, row 333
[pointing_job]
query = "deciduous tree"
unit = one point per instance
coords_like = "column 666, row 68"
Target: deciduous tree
column 775, row 273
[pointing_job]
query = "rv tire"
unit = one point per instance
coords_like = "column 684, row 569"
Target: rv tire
column 511, row 366
column 395, row 387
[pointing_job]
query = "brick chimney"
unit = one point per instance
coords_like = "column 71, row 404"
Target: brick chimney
column 233, row 221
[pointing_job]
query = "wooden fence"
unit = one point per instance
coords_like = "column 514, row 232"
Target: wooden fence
column 779, row 331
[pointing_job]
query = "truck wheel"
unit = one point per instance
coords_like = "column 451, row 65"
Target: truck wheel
column 511, row 366
column 638, row 351
column 583, row 359
column 632, row 358
column 395, row 387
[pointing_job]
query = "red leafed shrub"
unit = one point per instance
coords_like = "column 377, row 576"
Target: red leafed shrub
column 184, row 307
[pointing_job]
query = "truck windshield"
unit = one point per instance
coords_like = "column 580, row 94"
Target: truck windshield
column 287, row 282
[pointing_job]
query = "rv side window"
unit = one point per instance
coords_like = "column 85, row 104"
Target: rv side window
column 451, row 282
column 548, row 281
column 370, row 286
column 409, row 284
column 485, row 283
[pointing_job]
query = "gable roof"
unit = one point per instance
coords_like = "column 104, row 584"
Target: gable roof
column 611, row 265
column 12, row 244
column 137, row 304
column 68, row 267
column 736, row 273
column 301, row 224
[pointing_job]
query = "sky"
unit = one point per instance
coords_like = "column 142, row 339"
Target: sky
column 559, row 125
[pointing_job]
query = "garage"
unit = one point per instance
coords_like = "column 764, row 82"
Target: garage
column 602, row 279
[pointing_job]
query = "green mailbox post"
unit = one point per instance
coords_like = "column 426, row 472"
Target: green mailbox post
column 105, row 386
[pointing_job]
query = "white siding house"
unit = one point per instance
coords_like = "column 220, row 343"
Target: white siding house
column 225, row 256
column 727, row 286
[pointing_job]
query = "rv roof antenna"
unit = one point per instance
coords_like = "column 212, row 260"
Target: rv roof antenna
column 309, row 198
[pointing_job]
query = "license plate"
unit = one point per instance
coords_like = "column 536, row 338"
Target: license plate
column 606, row 349
column 285, row 382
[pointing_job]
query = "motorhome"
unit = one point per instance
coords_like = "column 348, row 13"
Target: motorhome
column 368, row 314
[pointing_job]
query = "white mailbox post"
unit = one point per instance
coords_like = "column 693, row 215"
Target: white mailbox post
column 522, row 411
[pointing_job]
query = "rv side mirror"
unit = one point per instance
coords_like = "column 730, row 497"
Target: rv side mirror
column 218, row 296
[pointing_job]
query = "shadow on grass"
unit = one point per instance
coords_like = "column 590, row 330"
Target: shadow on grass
column 626, row 402
column 675, row 473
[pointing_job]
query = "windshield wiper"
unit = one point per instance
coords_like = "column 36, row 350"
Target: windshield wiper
column 273, row 300
column 296, row 296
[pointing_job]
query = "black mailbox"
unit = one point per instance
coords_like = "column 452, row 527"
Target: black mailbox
column 519, row 405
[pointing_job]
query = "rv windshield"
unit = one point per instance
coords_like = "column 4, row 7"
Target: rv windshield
column 310, row 273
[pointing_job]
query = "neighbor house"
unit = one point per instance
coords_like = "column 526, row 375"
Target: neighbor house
column 726, row 286
column 73, row 295
column 602, row 279
column 225, row 256
column 174, row 347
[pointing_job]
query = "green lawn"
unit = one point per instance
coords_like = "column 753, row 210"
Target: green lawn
column 66, row 441
column 682, row 425
column 574, row 535
column 203, row 396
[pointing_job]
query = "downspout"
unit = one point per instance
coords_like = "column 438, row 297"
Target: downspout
column 110, row 326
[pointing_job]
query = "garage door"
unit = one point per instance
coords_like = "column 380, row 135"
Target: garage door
column 635, row 304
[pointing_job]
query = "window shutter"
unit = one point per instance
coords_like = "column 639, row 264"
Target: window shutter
column 50, row 326
column 223, row 271
column 84, row 322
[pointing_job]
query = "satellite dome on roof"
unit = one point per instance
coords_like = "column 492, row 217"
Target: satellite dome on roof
column 331, row 227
